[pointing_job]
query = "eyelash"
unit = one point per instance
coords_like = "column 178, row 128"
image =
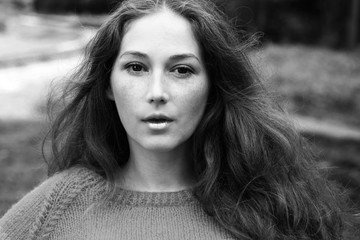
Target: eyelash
column 189, row 71
column 130, row 68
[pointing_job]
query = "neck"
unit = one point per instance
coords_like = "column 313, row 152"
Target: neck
column 151, row 171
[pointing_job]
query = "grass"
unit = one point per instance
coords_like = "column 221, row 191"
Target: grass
column 314, row 81
column 21, row 165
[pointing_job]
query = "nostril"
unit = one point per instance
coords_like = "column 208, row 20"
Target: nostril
column 158, row 99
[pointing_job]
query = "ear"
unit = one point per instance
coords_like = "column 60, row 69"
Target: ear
column 109, row 93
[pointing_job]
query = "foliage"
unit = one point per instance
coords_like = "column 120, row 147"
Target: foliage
column 296, row 21
column 78, row 6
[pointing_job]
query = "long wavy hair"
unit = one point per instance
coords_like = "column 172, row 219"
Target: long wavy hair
column 256, row 177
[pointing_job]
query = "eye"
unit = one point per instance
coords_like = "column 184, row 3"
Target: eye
column 135, row 68
column 183, row 71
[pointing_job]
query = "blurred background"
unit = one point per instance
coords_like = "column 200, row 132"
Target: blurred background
column 307, row 53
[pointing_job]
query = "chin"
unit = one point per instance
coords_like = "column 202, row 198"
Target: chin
column 162, row 145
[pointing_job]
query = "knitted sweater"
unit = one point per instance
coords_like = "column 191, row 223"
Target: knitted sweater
column 64, row 207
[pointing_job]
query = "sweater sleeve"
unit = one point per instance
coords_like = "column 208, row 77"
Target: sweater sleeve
column 19, row 220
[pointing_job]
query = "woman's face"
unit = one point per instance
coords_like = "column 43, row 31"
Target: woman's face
column 159, row 82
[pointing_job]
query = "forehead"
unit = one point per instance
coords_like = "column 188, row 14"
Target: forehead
column 161, row 31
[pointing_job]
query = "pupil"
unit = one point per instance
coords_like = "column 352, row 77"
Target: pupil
column 136, row 68
column 182, row 70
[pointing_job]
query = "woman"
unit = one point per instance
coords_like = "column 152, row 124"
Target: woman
column 168, row 134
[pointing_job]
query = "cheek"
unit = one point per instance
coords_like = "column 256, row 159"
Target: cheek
column 195, row 101
column 125, row 96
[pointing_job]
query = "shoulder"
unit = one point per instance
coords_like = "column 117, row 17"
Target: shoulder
column 72, row 181
column 46, row 203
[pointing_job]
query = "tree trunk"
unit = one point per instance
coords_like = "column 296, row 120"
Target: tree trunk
column 353, row 24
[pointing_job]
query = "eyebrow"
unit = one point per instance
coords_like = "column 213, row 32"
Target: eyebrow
column 134, row 53
column 175, row 57
column 178, row 57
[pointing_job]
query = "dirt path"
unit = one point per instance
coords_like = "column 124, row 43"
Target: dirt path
column 23, row 89
column 36, row 50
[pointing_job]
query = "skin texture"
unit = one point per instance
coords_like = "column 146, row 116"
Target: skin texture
column 159, row 70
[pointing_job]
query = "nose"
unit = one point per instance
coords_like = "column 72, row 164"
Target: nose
column 157, row 91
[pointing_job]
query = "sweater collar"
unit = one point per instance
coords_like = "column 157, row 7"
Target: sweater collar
column 137, row 198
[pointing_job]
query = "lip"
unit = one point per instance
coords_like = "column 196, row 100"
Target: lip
column 158, row 116
column 158, row 122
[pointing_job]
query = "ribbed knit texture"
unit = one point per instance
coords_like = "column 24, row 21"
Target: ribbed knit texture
column 66, row 207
